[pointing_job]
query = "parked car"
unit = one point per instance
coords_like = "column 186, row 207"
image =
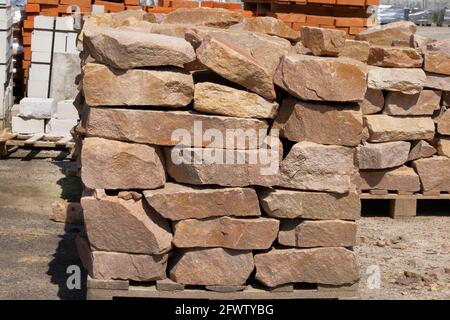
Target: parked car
column 391, row 13
column 444, row 17
column 421, row 17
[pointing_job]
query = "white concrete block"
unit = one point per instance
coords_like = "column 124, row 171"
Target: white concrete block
column 6, row 18
column 41, row 40
column 60, row 42
column 6, row 41
column 71, row 46
column 39, row 72
column 43, row 22
column 37, row 88
column 37, row 108
column 64, row 23
column 97, row 8
column 60, row 127
column 65, row 110
column 5, row 2
column 43, row 57
column 23, row 125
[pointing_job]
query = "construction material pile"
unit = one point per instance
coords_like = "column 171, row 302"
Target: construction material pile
column 6, row 61
column 184, row 171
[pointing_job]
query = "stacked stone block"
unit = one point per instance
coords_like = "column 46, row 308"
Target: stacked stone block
column 160, row 202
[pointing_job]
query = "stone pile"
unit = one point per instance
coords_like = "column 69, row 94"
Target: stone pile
column 406, row 145
column 185, row 175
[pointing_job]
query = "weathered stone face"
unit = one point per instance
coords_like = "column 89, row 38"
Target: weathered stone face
column 178, row 202
column 124, row 49
column 292, row 204
column 399, row 179
column 383, row 155
column 267, row 25
column 104, row 265
column 421, row 149
column 434, row 173
column 211, row 17
column 109, row 164
column 446, row 99
column 128, row 226
column 218, row 99
column 405, row 80
column 437, row 57
column 226, row 232
column 384, row 35
column 323, row 42
column 163, row 88
column 316, row 167
column 383, row 128
column 424, row 103
column 437, row 81
column 318, row 78
column 332, row 266
column 394, row 57
column 172, row 128
column 236, row 65
column 373, row 101
column 310, row 234
column 213, row 266
column 243, row 167
column 358, row 50
column 443, row 146
column 298, row 121
column 443, row 124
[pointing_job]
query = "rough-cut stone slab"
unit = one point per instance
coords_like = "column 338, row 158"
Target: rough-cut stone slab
column 236, row 65
column 67, row 212
column 298, row 121
column 437, row 57
column 332, row 266
column 310, row 234
column 421, row 149
column 405, row 80
column 292, row 204
column 218, row 99
column 213, row 266
column 267, row 25
column 113, row 224
column 384, row 35
column 109, row 164
column 399, row 179
column 212, row 17
column 383, row 128
column 164, row 88
column 245, row 167
column 178, row 202
column 354, row 49
column 437, row 81
column 102, row 265
column 423, row 103
column 394, row 57
column 226, row 232
column 133, row 125
column 316, row 167
column 322, row 78
column 323, row 42
column 446, row 99
column 443, row 146
column 443, row 123
column 383, row 155
column 124, row 49
column 434, row 173
column 373, row 102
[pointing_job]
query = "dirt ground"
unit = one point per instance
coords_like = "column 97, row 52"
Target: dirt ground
column 35, row 251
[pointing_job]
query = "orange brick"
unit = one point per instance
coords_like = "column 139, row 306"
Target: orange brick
column 184, row 4
column 28, row 24
column 207, row 4
column 26, row 64
column 27, row 53
column 32, row 7
column 350, row 22
column 320, row 20
column 296, row 17
column 352, row 2
column 80, row 3
column 50, row 13
column 229, row 6
column 133, row 7
column 161, row 10
column 48, row 7
column 26, row 41
column 322, row 1
column 342, row 28
column 111, row 6
column 355, row 30
column 246, row 13
column 327, row 27
column 297, row 26
column 54, row 2
column 131, row 2
column 372, row 2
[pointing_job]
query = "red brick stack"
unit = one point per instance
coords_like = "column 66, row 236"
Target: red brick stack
column 166, row 6
column 352, row 16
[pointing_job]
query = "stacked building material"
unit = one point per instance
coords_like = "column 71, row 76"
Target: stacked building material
column 406, row 146
column 167, row 6
column 6, row 53
column 352, row 16
column 180, row 150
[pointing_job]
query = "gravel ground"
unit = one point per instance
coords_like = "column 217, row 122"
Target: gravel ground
column 437, row 33
column 36, row 251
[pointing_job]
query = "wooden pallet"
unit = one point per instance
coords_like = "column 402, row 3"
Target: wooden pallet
column 109, row 289
column 12, row 143
column 404, row 204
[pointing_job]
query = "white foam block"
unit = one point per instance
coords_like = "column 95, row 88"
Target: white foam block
column 60, row 127
column 37, row 108
column 65, row 110
column 64, row 23
column 22, row 125
column 37, row 88
column 39, row 72
column 41, row 41
column 37, row 56
column 60, row 42
column 97, row 8
column 43, row 22
column 71, row 46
